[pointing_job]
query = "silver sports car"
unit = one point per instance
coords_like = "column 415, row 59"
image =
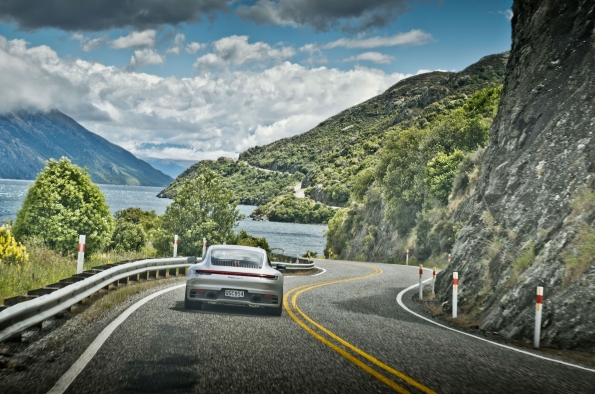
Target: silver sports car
column 235, row 275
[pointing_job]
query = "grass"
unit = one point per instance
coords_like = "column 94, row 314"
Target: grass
column 46, row 266
column 579, row 254
column 524, row 260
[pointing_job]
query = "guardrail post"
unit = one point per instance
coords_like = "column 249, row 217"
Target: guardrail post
column 421, row 274
column 81, row 257
column 204, row 247
column 538, row 308
column 433, row 281
column 407, row 258
column 455, row 289
column 175, row 246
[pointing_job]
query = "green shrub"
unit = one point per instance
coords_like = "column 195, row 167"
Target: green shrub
column 440, row 172
column 201, row 208
column 11, row 251
column 128, row 237
column 147, row 219
column 245, row 239
column 61, row 204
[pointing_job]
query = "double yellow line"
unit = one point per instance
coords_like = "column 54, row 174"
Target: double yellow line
column 317, row 331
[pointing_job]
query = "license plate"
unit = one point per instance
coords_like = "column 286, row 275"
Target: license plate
column 234, row 293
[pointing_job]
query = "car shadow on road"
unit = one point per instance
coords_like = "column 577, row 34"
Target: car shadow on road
column 228, row 310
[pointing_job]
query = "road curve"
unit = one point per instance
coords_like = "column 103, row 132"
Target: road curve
column 341, row 332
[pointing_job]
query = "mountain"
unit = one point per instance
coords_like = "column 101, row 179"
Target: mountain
column 340, row 147
column 331, row 159
column 28, row 139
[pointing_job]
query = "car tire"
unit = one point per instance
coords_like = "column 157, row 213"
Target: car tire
column 278, row 311
column 192, row 305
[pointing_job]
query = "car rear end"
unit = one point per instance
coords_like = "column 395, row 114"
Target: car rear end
column 235, row 275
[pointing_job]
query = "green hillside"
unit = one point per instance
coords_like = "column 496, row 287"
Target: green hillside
column 251, row 186
column 341, row 147
column 340, row 156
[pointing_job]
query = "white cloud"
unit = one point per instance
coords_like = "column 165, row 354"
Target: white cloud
column 202, row 116
column 507, row 14
column 144, row 57
column 375, row 57
column 194, row 47
column 88, row 44
column 135, row 40
column 410, row 38
column 236, row 51
column 177, row 44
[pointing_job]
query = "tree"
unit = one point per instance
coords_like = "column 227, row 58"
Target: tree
column 61, row 204
column 128, row 236
column 440, row 173
column 202, row 208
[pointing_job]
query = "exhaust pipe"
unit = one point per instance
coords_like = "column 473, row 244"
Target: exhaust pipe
column 256, row 298
column 211, row 295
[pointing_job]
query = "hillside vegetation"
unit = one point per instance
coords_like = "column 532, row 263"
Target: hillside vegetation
column 418, row 172
column 250, row 186
column 339, row 159
column 339, row 149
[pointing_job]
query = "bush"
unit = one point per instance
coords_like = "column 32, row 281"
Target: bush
column 148, row 219
column 440, row 172
column 11, row 251
column 128, row 237
column 245, row 239
column 201, row 208
column 61, row 204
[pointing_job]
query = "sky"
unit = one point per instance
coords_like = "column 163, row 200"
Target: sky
column 181, row 81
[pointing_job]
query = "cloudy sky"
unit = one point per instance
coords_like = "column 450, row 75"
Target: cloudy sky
column 192, row 79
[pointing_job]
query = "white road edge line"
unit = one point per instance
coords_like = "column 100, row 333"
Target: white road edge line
column 320, row 273
column 67, row 379
column 400, row 301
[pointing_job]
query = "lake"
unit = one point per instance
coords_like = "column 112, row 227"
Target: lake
column 292, row 238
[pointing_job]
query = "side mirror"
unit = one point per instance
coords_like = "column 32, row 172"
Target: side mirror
column 192, row 260
column 281, row 267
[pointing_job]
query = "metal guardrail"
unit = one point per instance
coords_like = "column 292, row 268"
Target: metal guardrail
column 25, row 314
column 290, row 266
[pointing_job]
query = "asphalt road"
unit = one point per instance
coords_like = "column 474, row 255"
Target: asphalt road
column 346, row 335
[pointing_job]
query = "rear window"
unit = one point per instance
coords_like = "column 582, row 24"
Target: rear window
column 236, row 258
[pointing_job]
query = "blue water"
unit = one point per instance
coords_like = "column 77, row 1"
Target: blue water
column 289, row 237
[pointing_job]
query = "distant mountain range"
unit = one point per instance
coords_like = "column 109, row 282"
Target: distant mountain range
column 28, row 140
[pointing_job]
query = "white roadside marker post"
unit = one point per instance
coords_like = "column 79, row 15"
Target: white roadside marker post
column 449, row 258
column 421, row 274
column 204, row 247
column 538, row 308
column 175, row 246
column 455, row 288
column 433, row 281
column 81, row 257
column 407, row 258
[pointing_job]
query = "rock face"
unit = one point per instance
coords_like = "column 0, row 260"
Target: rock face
column 531, row 221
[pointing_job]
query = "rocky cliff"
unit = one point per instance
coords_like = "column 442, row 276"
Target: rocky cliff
column 531, row 219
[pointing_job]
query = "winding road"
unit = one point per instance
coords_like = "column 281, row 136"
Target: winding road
column 341, row 332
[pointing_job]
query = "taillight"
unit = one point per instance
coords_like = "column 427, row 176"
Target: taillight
column 252, row 275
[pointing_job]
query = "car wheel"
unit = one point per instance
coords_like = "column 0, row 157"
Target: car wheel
column 191, row 304
column 278, row 311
